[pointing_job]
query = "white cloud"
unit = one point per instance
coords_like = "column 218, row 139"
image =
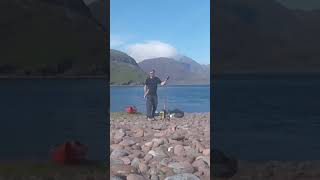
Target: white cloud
column 116, row 41
column 150, row 49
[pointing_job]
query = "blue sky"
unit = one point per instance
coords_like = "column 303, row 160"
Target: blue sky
column 149, row 28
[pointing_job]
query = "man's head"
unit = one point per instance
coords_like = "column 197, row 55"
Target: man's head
column 152, row 73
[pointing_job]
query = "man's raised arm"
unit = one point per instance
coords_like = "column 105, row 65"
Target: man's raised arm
column 164, row 82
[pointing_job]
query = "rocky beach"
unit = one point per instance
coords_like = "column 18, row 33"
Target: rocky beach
column 160, row 150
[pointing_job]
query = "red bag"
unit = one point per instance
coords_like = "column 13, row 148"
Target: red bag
column 131, row 110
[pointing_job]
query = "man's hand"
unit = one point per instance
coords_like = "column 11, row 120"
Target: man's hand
column 145, row 94
column 165, row 81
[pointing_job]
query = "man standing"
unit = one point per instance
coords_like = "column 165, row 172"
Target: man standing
column 150, row 92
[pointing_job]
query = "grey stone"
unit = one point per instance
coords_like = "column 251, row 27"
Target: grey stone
column 184, row 176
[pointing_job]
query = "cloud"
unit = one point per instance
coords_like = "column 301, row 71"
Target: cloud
column 116, row 41
column 150, row 49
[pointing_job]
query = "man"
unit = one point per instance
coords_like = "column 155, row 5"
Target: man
column 150, row 92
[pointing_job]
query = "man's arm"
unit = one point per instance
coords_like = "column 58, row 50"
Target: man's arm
column 164, row 82
column 146, row 90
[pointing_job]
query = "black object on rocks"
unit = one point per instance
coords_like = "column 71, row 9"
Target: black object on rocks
column 223, row 166
column 177, row 113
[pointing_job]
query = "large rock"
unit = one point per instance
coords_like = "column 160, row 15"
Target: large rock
column 119, row 134
column 149, row 144
column 139, row 133
column 143, row 168
column 117, row 153
column 122, row 170
column 127, row 142
column 198, row 146
column 177, row 137
column 158, row 153
column 135, row 162
column 179, row 150
column 116, row 146
column 116, row 178
column 157, row 142
column 205, row 159
column 125, row 160
column 206, row 152
column 181, row 167
column 184, row 176
column 116, row 161
column 135, row 177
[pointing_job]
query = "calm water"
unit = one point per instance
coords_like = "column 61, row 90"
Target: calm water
column 263, row 119
column 186, row 98
column 37, row 114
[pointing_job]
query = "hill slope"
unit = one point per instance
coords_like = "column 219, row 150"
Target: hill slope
column 265, row 37
column 179, row 72
column 50, row 37
column 124, row 70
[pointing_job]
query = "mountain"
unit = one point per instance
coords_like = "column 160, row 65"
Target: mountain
column 180, row 71
column 198, row 70
column 264, row 37
column 124, row 69
column 194, row 66
column 50, row 38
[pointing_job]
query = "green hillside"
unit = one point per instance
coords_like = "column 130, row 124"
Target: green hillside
column 124, row 74
column 124, row 70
